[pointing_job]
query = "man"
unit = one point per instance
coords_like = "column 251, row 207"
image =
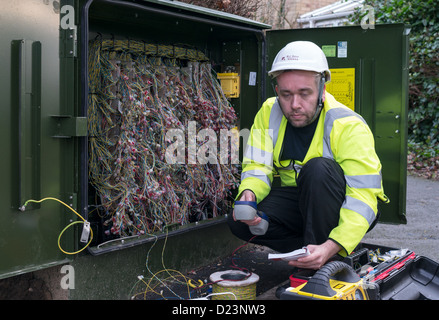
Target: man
column 325, row 157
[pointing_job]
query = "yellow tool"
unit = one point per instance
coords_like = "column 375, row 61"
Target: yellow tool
column 334, row 281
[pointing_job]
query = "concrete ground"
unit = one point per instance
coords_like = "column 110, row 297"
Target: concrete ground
column 420, row 234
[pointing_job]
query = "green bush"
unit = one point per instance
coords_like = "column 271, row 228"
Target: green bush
column 423, row 18
column 423, row 159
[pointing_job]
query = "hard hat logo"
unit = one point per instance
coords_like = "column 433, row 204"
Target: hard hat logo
column 288, row 57
column 300, row 55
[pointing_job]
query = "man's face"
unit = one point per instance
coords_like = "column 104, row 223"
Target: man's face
column 298, row 93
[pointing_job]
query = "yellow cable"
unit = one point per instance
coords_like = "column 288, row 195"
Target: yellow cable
column 171, row 276
column 55, row 199
column 59, row 238
column 150, row 287
column 68, row 226
column 240, row 292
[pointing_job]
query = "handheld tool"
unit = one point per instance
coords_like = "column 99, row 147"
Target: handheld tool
column 247, row 210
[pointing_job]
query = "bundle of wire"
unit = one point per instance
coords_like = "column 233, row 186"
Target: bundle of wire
column 137, row 93
column 172, row 284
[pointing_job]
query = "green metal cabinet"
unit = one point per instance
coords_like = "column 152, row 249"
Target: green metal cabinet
column 44, row 90
column 34, row 164
column 44, row 105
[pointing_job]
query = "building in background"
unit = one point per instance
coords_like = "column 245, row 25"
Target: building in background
column 287, row 14
column 333, row 15
column 283, row 14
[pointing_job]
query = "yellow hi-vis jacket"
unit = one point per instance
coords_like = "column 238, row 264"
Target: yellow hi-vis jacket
column 342, row 135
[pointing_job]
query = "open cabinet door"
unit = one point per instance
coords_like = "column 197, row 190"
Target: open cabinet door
column 369, row 70
column 36, row 131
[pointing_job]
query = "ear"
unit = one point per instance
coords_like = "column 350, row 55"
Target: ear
column 324, row 92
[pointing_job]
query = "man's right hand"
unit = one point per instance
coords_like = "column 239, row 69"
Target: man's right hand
column 248, row 195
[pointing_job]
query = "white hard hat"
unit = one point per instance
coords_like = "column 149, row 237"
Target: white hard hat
column 300, row 55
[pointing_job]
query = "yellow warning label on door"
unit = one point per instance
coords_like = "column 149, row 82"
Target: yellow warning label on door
column 342, row 86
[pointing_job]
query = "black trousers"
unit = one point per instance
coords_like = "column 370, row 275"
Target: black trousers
column 300, row 215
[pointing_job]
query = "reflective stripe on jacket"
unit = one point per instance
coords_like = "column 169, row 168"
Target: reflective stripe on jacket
column 342, row 135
